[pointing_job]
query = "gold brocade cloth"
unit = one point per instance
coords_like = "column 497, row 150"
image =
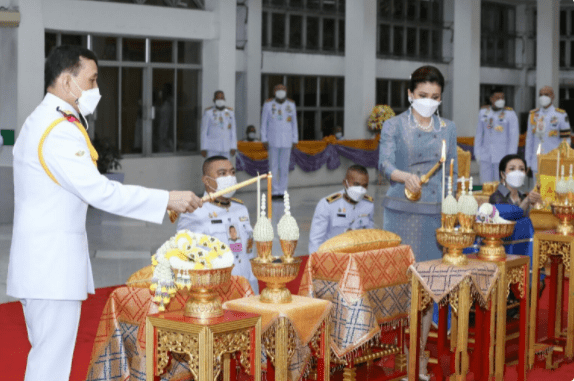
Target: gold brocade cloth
column 119, row 347
column 440, row 279
column 304, row 318
column 368, row 290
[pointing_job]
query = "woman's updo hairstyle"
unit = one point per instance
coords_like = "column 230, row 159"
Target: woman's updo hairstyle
column 426, row 74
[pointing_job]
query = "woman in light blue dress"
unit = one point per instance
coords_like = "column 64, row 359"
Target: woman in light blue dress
column 410, row 145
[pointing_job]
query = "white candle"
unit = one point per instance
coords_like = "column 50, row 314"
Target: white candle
column 562, row 171
column 443, row 158
column 570, row 170
column 557, row 164
column 258, row 196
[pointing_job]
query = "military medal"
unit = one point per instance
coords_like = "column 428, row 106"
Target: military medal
column 279, row 116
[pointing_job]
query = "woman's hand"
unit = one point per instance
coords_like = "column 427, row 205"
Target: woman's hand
column 534, row 197
column 412, row 183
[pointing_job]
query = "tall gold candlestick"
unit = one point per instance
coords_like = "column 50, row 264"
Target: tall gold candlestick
column 269, row 194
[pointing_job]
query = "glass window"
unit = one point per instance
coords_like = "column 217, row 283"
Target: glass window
column 161, row 51
column 189, row 52
column 341, row 37
column 313, row 4
column 396, row 93
column 264, row 26
column 188, row 111
column 310, row 97
column 330, row 6
column 312, row 33
column 73, row 39
column 294, row 89
column 133, row 49
column 398, row 33
column 107, row 111
column 328, row 34
column 278, row 30
column 382, row 91
column 411, row 41
column 498, row 34
column 132, row 109
column 50, row 42
column 436, row 44
column 327, row 123
column 424, row 42
column 392, row 93
column 398, row 9
column 163, row 103
column 571, row 31
column 295, row 31
column 106, row 48
column 384, row 39
column 327, row 91
column 308, row 124
column 341, row 92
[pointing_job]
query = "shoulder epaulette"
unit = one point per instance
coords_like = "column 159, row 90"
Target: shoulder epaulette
column 237, row 200
column 230, row 108
column 509, row 108
column 485, row 107
column 368, row 198
column 290, row 100
column 534, row 111
column 209, row 108
column 560, row 110
column 334, row 197
column 268, row 100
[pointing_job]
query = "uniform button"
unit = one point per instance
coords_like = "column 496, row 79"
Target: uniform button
column 435, row 136
column 433, row 192
column 436, row 155
column 419, row 135
column 420, row 154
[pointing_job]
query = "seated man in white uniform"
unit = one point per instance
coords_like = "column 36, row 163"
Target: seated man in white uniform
column 226, row 218
column 55, row 179
column 349, row 209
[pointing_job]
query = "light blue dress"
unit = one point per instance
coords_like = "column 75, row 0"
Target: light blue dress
column 407, row 148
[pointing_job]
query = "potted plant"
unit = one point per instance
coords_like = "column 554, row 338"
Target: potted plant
column 108, row 159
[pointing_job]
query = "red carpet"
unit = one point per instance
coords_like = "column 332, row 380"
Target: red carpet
column 14, row 346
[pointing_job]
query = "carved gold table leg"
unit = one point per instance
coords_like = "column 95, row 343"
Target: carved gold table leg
column 560, row 301
column 462, row 339
column 500, row 353
column 534, row 299
column 570, row 327
column 493, row 305
column 415, row 329
column 281, row 339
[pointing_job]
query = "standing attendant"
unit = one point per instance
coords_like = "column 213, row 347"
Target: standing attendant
column 547, row 125
column 55, row 179
column 410, row 146
column 279, row 135
column 496, row 135
column 218, row 131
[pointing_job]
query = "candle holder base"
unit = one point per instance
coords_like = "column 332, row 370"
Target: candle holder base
column 492, row 249
column 276, row 276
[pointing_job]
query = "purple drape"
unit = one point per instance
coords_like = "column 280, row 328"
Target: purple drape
column 309, row 163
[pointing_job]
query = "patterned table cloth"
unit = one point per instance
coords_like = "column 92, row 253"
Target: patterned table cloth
column 119, row 347
column 305, row 317
column 368, row 289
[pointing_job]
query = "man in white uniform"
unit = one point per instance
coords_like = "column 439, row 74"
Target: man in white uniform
column 350, row 209
column 226, row 218
column 279, row 135
column 547, row 125
column 218, row 131
column 55, row 179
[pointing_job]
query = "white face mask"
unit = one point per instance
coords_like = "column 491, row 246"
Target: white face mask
column 280, row 94
column 220, row 103
column 425, row 106
column 515, row 179
column 355, row 193
column 545, row 100
column 339, row 135
column 500, row 103
column 226, row 182
column 88, row 100
column 251, row 135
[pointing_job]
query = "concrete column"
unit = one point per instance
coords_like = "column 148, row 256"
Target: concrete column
column 466, row 66
column 548, row 45
column 253, row 63
column 360, row 65
column 219, row 53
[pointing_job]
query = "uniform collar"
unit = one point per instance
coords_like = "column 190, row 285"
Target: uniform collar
column 52, row 101
column 348, row 199
column 219, row 204
column 547, row 110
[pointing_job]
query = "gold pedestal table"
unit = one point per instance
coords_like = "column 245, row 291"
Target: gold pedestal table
column 458, row 286
column 292, row 333
column 558, row 249
column 206, row 343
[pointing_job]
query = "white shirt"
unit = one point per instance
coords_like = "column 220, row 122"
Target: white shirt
column 218, row 130
column 279, row 124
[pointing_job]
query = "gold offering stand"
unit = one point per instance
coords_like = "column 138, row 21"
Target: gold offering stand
column 455, row 239
column 492, row 249
column 203, row 302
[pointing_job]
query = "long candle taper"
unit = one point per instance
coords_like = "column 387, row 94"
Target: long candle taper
column 451, row 167
column 557, row 164
column 269, row 194
column 443, row 159
column 562, row 171
column 258, row 197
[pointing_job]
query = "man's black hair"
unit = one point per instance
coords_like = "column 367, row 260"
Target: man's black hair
column 496, row 89
column 209, row 160
column 65, row 58
column 359, row 169
column 217, row 92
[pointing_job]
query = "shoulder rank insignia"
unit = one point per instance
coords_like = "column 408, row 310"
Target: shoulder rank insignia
column 268, row 100
column 485, row 107
column 509, row 108
column 208, row 108
column 334, row 197
column 230, row 108
column 534, row 111
column 236, row 200
column 368, row 198
column 290, row 100
column 70, row 117
column 561, row 111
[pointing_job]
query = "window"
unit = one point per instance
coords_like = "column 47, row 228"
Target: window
column 185, row 4
column 319, row 102
column 410, row 29
column 393, row 93
column 498, row 35
column 304, row 26
column 567, row 38
column 150, row 88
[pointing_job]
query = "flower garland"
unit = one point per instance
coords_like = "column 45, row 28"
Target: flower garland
column 379, row 114
column 182, row 253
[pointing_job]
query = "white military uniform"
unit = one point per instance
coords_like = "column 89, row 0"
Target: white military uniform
column 335, row 215
column 496, row 136
column 49, row 268
column 216, row 221
column 218, row 132
column 547, row 126
column 279, row 129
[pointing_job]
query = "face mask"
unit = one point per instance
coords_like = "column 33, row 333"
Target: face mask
column 88, row 100
column 500, row 103
column 226, row 182
column 515, row 179
column 545, row 100
column 280, row 94
column 355, row 193
column 339, row 135
column 220, row 103
column 251, row 135
column 425, row 106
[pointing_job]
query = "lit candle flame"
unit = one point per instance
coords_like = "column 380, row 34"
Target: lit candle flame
column 539, row 150
column 443, row 153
